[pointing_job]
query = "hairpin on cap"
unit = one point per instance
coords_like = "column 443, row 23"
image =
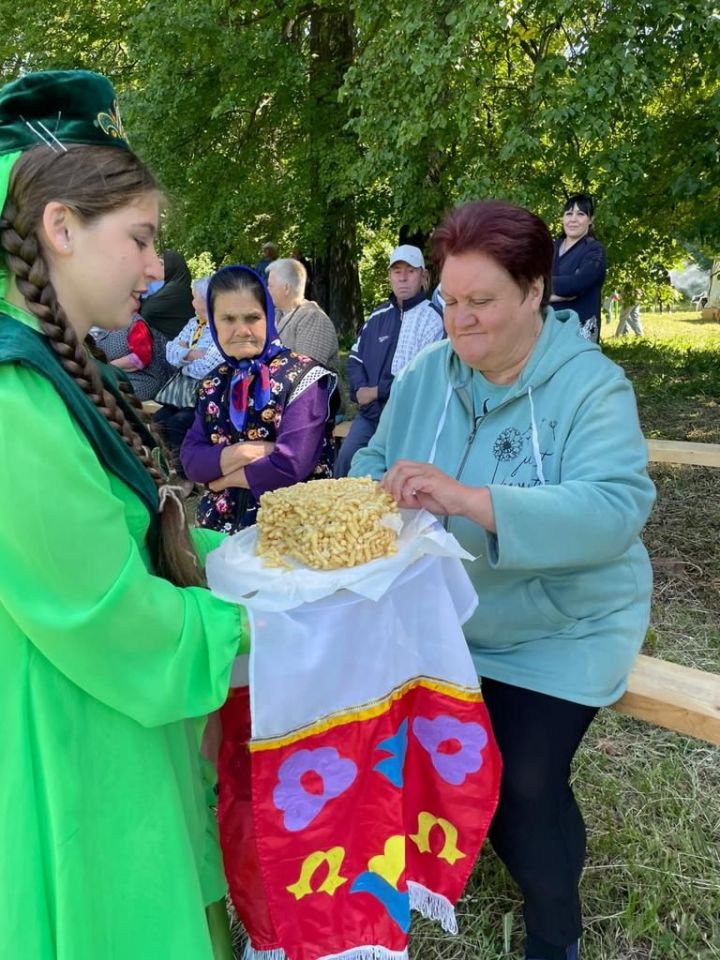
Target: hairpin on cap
column 57, row 108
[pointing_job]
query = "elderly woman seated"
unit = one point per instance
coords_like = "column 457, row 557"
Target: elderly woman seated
column 264, row 418
column 193, row 354
column 139, row 352
column 525, row 438
column 301, row 324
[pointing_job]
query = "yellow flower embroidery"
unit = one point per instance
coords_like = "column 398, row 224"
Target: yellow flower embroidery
column 111, row 123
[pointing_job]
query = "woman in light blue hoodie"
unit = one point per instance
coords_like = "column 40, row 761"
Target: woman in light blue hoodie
column 526, row 439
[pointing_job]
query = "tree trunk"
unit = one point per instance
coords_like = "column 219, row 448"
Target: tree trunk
column 336, row 283
column 418, row 238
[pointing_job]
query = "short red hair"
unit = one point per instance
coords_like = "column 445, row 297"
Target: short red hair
column 514, row 238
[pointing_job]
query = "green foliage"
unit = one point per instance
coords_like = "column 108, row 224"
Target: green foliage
column 50, row 35
column 533, row 100
column 296, row 122
column 201, row 265
column 377, row 245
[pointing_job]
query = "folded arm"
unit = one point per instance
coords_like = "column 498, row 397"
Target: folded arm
column 298, row 444
column 590, row 273
column 176, row 350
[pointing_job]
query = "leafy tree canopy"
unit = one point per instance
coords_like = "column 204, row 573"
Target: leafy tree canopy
column 315, row 124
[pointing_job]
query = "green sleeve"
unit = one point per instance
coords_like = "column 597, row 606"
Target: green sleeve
column 205, row 541
column 74, row 579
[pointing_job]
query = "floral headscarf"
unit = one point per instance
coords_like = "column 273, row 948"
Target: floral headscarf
column 248, row 374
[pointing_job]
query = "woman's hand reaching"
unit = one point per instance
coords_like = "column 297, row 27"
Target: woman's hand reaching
column 424, row 486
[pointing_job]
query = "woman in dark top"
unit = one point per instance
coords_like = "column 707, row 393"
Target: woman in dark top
column 171, row 307
column 579, row 266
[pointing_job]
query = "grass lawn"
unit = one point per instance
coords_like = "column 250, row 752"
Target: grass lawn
column 675, row 368
column 651, row 798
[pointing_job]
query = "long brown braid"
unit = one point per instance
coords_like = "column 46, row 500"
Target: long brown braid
column 90, row 181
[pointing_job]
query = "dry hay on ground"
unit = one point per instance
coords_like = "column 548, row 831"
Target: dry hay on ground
column 683, row 532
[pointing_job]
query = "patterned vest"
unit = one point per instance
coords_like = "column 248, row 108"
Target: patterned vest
column 290, row 375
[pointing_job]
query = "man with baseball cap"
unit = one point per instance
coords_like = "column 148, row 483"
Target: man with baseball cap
column 394, row 333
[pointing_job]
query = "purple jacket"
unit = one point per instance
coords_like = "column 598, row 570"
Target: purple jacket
column 297, row 448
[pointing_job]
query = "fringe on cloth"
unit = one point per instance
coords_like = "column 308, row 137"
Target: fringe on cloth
column 432, row 906
column 369, row 952
column 357, row 953
column 252, row 954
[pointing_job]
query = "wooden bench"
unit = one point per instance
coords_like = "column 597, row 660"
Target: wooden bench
column 660, row 451
column 679, row 451
column 669, row 695
column 675, row 697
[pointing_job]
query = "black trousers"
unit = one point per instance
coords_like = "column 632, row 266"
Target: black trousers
column 538, row 830
column 360, row 434
column 174, row 423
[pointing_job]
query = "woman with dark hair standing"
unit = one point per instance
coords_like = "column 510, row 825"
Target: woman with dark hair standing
column 579, row 266
column 526, row 439
column 112, row 652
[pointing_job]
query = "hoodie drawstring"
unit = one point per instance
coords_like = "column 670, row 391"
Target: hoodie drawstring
column 441, row 424
column 533, row 425
column 535, row 440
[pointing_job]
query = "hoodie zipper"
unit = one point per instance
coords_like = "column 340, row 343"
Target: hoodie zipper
column 468, row 444
column 477, row 420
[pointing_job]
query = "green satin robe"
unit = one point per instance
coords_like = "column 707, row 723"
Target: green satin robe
column 108, row 850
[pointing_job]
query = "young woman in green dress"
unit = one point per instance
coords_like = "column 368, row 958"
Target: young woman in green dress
column 112, row 652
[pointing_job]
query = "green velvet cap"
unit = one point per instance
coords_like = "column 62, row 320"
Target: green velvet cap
column 56, row 107
column 50, row 109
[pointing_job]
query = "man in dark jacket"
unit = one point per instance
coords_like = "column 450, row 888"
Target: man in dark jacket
column 394, row 333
